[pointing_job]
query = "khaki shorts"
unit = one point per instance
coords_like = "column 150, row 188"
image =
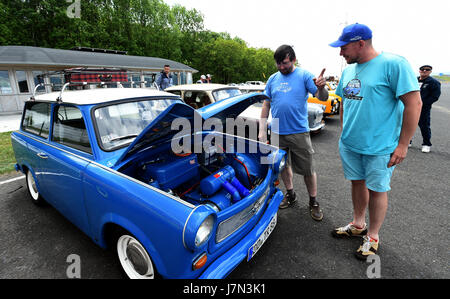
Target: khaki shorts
column 299, row 152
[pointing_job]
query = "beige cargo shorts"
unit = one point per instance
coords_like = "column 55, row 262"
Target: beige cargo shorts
column 299, row 152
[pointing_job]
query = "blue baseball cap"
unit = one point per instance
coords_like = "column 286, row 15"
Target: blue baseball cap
column 353, row 33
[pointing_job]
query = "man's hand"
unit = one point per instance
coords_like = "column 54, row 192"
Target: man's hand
column 398, row 155
column 322, row 93
column 262, row 136
column 320, row 81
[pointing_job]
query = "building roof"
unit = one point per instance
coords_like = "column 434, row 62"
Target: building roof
column 34, row 56
column 102, row 95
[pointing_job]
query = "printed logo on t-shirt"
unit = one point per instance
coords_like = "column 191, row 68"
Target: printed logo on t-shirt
column 352, row 90
column 284, row 87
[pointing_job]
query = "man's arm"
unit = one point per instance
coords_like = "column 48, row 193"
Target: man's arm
column 411, row 115
column 158, row 81
column 322, row 92
column 262, row 136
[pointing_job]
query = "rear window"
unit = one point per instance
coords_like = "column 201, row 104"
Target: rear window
column 37, row 119
column 69, row 128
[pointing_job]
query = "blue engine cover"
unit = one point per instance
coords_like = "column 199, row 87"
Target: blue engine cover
column 172, row 171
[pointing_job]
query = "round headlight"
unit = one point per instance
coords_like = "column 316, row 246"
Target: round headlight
column 282, row 164
column 204, row 231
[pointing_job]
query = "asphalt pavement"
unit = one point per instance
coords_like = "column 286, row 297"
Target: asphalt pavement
column 414, row 241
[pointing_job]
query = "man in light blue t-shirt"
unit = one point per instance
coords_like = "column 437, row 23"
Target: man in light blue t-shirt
column 379, row 114
column 288, row 92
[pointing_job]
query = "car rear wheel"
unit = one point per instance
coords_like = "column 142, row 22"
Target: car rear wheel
column 35, row 196
column 134, row 259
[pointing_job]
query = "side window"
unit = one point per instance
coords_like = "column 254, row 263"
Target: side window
column 69, row 128
column 37, row 119
column 5, row 83
column 22, row 81
column 196, row 99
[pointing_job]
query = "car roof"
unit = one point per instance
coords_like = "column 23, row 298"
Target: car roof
column 100, row 95
column 200, row 86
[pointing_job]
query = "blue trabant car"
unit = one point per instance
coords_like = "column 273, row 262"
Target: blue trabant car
column 148, row 176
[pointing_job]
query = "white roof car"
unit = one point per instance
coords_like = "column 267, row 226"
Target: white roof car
column 200, row 95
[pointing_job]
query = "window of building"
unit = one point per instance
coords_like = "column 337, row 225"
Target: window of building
column 69, row 128
column 22, row 81
column 37, row 119
column 149, row 78
column 175, row 78
column 5, row 83
column 38, row 80
column 57, row 82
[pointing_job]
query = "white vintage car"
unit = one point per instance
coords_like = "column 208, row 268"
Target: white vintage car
column 199, row 95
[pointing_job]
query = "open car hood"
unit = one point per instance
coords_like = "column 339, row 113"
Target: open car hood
column 160, row 128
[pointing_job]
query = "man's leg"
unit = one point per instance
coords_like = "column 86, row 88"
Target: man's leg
column 311, row 184
column 425, row 125
column 378, row 205
column 286, row 177
column 360, row 199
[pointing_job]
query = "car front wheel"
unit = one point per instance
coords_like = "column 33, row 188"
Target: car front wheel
column 134, row 259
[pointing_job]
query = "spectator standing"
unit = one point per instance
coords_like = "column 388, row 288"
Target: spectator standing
column 202, row 79
column 430, row 90
column 288, row 92
column 208, row 78
column 379, row 115
column 164, row 80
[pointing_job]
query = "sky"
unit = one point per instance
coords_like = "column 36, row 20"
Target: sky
column 415, row 29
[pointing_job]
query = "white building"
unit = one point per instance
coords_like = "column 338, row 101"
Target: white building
column 21, row 65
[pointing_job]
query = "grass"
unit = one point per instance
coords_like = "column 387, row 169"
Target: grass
column 7, row 158
column 444, row 78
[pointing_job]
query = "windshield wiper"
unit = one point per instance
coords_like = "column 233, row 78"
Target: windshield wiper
column 124, row 137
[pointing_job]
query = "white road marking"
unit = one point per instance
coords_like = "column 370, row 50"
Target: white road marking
column 443, row 109
column 12, row 180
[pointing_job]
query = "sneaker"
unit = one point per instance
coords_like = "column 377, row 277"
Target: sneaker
column 349, row 231
column 288, row 200
column 410, row 143
column 315, row 211
column 426, row 149
column 368, row 247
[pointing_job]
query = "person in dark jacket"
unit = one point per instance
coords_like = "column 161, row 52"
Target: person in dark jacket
column 164, row 80
column 430, row 90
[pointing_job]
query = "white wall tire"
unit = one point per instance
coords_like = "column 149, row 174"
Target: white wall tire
column 134, row 259
column 35, row 196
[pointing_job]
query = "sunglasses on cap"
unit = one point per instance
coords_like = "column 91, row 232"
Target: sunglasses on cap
column 425, row 69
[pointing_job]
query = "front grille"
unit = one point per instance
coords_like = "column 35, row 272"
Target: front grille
column 232, row 224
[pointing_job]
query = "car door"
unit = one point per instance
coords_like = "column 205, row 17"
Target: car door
column 36, row 122
column 68, row 156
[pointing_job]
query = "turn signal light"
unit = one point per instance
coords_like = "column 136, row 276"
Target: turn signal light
column 276, row 183
column 200, row 262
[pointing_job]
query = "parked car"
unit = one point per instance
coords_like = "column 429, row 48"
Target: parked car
column 254, row 83
column 200, row 95
column 107, row 160
column 315, row 117
column 333, row 102
column 248, row 88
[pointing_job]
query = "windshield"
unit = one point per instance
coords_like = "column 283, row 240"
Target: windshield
column 225, row 93
column 120, row 124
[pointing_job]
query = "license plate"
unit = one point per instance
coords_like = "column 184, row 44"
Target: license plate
column 264, row 236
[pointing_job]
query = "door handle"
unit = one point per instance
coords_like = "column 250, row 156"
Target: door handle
column 42, row 155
